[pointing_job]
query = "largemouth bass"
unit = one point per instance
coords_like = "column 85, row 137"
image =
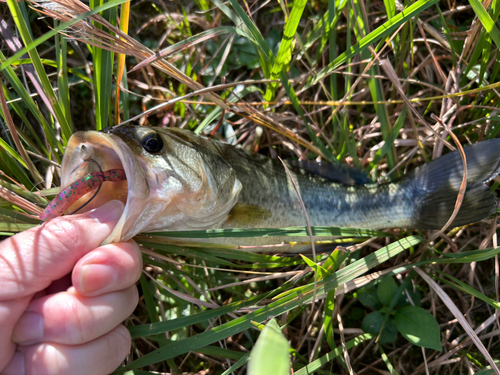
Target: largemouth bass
column 176, row 180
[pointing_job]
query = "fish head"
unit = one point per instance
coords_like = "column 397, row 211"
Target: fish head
column 173, row 180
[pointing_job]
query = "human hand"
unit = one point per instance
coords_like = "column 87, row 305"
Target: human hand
column 55, row 322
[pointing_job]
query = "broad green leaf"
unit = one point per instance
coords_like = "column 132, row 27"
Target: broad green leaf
column 418, row 327
column 271, row 353
column 369, row 298
column 386, row 290
column 389, row 333
column 372, row 322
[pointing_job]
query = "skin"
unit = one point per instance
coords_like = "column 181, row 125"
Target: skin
column 63, row 296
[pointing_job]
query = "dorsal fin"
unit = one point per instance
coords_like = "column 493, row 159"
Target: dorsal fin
column 340, row 173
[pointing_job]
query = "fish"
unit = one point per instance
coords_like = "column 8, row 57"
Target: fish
column 175, row 180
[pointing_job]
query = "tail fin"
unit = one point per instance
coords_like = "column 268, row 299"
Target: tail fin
column 439, row 181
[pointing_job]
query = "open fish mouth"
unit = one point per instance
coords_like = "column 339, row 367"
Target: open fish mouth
column 111, row 154
column 168, row 179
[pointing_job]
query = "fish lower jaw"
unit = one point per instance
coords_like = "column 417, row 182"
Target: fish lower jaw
column 175, row 220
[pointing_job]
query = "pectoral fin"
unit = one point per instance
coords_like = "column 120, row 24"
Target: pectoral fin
column 247, row 215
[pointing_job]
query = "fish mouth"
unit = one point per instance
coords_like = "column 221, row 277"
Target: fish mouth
column 109, row 152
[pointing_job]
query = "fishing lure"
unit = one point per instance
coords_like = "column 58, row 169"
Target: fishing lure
column 78, row 189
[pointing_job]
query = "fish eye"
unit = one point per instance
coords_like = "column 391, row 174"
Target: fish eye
column 152, row 142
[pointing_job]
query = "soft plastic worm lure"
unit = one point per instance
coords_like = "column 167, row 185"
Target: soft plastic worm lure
column 78, row 189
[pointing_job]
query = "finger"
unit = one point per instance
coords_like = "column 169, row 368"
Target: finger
column 69, row 318
column 31, row 260
column 107, row 269
column 106, row 354
column 9, row 313
column 59, row 285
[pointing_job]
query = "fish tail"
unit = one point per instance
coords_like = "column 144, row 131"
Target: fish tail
column 438, row 182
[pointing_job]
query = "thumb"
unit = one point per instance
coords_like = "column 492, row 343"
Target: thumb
column 31, row 260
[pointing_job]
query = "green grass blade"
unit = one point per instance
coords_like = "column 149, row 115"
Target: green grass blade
column 157, row 328
column 291, row 300
column 239, row 363
column 37, row 63
column 272, row 232
column 285, row 51
column 317, row 364
column 389, row 141
column 460, row 285
column 28, row 101
column 12, row 152
column 61, row 27
column 488, row 23
column 103, row 72
column 377, row 34
column 61, row 44
column 10, row 164
column 262, row 48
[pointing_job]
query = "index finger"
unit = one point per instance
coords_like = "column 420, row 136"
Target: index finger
column 31, row 260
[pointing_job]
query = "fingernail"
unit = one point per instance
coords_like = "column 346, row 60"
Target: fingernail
column 16, row 365
column 96, row 277
column 108, row 213
column 28, row 329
